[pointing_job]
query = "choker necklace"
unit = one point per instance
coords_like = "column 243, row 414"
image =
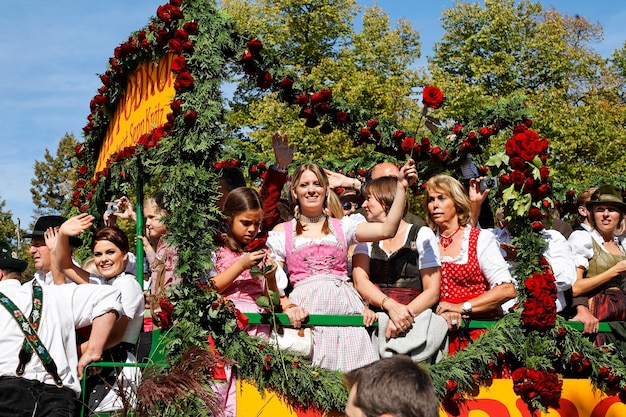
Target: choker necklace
column 316, row 219
column 446, row 241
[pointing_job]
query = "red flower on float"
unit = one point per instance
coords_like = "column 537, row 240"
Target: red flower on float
column 190, row 117
column 183, row 82
column 179, row 64
column 433, row 97
column 191, row 28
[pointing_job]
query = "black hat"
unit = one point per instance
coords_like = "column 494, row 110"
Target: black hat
column 7, row 261
column 44, row 222
column 607, row 195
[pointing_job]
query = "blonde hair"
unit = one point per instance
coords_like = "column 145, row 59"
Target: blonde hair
column 89, row 265
column 580, row 201
column 453, row 189
column 318, row 171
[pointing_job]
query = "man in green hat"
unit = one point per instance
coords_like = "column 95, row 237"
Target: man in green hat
column 10, row 266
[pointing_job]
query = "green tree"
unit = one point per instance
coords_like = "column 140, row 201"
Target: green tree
column 506, row 47
column 315, row 40
column 54, row 177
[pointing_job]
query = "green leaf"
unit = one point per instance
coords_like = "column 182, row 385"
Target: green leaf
column 255, row 271
column 263, row 301
column 275, row 297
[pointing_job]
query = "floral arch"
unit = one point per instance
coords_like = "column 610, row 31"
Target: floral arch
column 182, row 152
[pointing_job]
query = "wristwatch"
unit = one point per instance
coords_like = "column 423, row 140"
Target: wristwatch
column 466, row 307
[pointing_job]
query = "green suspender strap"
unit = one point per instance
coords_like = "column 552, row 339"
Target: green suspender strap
column 32, row 342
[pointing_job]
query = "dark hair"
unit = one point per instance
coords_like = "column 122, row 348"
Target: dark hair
column 408, row 389
column 158, row 199
column 114, row 235
column 232, row 178
column 239, row 200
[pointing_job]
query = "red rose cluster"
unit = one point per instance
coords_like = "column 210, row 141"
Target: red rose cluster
column 539, row 308
column 257, row 171
column 524, row 148
column 535, row 386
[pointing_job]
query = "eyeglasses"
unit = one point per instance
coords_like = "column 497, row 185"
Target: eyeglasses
column 348, row 205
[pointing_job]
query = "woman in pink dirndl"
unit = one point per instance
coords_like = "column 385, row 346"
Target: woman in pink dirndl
column 314, row 249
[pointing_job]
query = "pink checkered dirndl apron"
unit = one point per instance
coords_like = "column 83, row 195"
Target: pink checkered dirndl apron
column 318, row 271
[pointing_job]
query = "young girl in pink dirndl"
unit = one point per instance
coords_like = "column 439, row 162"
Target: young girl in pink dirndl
column 314, row 248
column 231, row 273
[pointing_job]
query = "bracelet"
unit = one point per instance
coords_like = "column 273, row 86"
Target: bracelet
column 382, row 303
column 288, row 306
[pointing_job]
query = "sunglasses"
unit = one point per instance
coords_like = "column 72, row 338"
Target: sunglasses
column 348, row 205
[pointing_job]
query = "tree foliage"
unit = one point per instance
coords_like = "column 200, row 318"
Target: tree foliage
column 54, row 178
column 319, row 46
column 507, row 47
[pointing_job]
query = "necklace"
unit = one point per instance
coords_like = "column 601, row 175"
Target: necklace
column 446, row 241
column 316, row 219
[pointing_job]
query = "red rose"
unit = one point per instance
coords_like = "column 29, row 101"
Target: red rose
column 407, row 144
column 506, row 180
column 82, row 170
column 538, row 226
column 323, row 108
column 190, row 117
column 535, row 214
column 518, row 178
column 255, row 46
column 437, row 154
column 372, row 123
column 398, row 135
column 306, row 113
column 286, row 84
column 326, row 94
column 81, row 183
column 517, row 163
column 302, row 100
column 544, row 172
column 341, row 116
column 184, row 81
column 176, row 106
column 247, row 57
column 486, row 131
column 264, row 80
column 457, row 129
column 465, row 148
column 191, row 28
column 179, row 64
column 433, row 97
column 175, row 46
column 79, row 149
column 317, row 98
column 365, row 133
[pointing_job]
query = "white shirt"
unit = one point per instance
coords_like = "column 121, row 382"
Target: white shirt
column 133, row 303
column 425, row 243
column 65, row 308
column 580, row 241
column 558, row 255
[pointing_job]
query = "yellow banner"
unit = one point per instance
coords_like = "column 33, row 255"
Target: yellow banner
column 498, row 400
column 144, row 106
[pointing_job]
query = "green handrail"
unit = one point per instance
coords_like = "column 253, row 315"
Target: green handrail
column 337, row 320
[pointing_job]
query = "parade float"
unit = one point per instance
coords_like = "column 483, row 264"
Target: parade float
column 157, row 119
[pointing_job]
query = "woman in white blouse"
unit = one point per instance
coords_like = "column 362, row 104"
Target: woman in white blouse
column 475, row 278
column 600, row 256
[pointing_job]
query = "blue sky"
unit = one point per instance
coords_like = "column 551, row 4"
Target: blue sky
column 53, row 50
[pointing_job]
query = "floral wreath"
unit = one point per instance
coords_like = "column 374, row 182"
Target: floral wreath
column 533, row 338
